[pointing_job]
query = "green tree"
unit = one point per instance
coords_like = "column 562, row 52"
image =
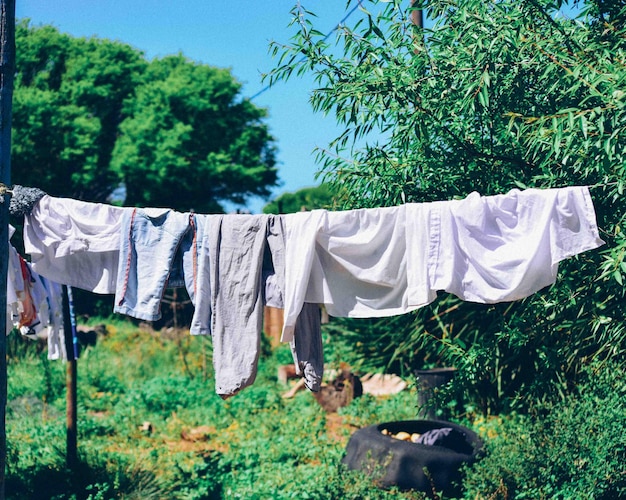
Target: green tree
column 91, row 114
column 304, row 199
column 190, row 140
column 493, row 96
column 67, row 109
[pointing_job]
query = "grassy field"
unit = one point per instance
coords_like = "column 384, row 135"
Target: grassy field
column 151, row 426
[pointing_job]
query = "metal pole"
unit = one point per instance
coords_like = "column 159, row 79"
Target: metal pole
column 7, row 70
column 71, row 455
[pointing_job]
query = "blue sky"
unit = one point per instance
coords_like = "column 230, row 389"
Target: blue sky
column 231, row 34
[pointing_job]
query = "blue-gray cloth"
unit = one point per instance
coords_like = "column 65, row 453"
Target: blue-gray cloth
column 23, row 200
column 434, row 436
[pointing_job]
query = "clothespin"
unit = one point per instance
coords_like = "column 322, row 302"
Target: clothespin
column 4, row 189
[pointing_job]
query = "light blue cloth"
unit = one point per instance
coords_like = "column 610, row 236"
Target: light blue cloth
column 153, row 244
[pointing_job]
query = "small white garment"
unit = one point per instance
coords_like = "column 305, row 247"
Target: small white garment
column 386, row 261
column 15, row 286
column 75, row 243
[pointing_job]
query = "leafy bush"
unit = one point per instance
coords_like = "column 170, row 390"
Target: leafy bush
column 488, row 97
column 572, row 449
column 259, row 445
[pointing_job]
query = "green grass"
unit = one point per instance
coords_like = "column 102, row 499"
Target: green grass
column 140, row 391
column 259, row 445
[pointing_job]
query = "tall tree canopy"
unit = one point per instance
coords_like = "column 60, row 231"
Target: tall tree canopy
column 91, row 114
column 495, row 95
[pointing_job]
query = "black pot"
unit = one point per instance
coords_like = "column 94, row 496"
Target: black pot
column 412, row 465
column 428, row 381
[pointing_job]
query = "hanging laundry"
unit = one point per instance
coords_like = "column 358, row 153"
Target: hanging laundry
column 55, row 331
column 15, row 287
column 75, row 351
column 137, row 253
column 34, row 304
column 357, row 263
column 386, row 261
column 42, row 299
column 306, row 347
column 23, row 199
column 32, row 299
column 240, row 269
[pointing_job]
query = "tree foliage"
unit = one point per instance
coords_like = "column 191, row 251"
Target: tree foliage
column 90, row 114
column 304, row 199
column 493, row 96
column 187, row 127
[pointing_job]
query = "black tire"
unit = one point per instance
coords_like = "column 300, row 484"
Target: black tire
column 412, row 465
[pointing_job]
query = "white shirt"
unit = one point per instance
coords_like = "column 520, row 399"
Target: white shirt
column 506, row 247
column 74, row 242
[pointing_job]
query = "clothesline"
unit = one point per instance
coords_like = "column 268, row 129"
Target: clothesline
column 4, row 189
column 358, row 263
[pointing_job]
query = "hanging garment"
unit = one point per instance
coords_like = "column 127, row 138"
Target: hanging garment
column 31, row 300
column 208, row 246
column 55, row 332
column 42, row 316
column 386, row 261
column 23, row 199
column 353, row 262
column 306, row 347
column 155, row 248
column 34, row 304
column 241, row 268
column 15, row 287
column 229, row 301
column 75, row 242
column 229, row 296
column 75, row 350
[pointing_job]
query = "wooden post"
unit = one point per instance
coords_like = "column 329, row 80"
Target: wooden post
column 417, row 16
column 7, row 70
column 71, row 458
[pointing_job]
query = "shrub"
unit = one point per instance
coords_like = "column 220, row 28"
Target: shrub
column 572, row 449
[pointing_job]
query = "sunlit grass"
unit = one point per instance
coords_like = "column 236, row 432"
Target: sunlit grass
column 141, row 396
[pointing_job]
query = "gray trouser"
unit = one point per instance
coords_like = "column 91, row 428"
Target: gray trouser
column 241, row 267
column 306, row 346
